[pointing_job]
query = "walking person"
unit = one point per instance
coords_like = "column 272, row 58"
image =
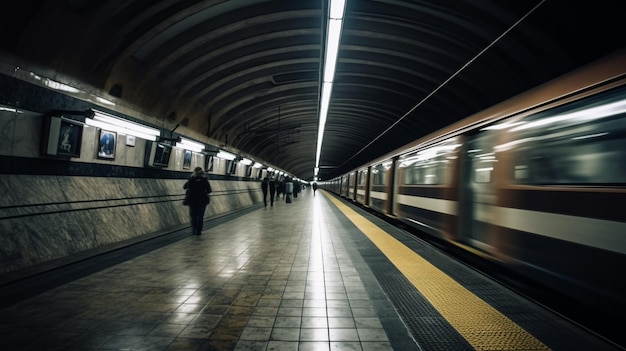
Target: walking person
column 314, row 188
column 282, row 187
column 264, row 187
column 288, row 189
column 272, row 184
column 279, row 188
column 197, row 198
column 296, row 189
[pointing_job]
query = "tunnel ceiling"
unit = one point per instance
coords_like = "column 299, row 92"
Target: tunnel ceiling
column 247, row 72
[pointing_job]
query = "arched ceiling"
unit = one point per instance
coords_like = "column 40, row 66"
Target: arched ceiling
column 247, row 72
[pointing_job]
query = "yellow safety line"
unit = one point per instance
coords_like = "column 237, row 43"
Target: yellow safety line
column 480, row 324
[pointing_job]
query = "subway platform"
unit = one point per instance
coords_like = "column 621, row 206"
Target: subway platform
column 314, row 274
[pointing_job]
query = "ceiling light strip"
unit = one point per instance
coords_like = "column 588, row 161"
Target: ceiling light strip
column 333, row 37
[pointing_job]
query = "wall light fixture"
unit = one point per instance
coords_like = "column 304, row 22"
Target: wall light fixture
column 106, row 121
column 187, row 144
column 226, row 155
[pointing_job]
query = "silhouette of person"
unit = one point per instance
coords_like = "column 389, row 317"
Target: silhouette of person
column 198, row 190
column 272, row 185
column 296, row 189
column 279, row 188
column 314, row 188
column 288, row 189
column 264, row 187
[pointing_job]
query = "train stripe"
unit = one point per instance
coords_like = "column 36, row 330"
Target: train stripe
column 378, row 195
column 460, row 307
column 435, row 205
column 599, row 233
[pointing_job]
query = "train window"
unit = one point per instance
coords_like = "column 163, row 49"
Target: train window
column 379, row 174
column 351, row 178
column 580, row 143
column 482, row 157
column 429, row 166
column 362, row 177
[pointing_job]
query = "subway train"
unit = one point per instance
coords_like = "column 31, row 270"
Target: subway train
column 535, row 185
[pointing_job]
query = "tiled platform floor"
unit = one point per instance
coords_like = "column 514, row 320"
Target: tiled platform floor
column 277, row 278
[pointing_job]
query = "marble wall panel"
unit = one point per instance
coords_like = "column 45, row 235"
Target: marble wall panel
column 20, row 132
column 57, row 217
column 26, row 140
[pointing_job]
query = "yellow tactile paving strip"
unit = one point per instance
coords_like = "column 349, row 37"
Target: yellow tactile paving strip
column 480, row 324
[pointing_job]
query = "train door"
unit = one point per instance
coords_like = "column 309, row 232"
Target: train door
column 477, row 196
column 340, row 186
column 361, row 186
column 345, row 186
column 351, row 191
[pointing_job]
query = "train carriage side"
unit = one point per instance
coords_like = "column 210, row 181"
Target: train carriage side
column 541, row 190
column 536, row 183
column 426, row 187
column 552, row 211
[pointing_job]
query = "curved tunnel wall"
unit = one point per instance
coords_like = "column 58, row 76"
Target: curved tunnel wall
column 54, row 210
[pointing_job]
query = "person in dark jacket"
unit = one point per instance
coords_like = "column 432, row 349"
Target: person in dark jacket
column 198, row 190
column 272, row 183
column 288, row 189
column 314, row 188
column 280, row 186
column 265, row 187
column 296, row 188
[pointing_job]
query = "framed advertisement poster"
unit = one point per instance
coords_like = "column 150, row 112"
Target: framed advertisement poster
column 161, row 154
column 208, row 167
column 231, row 167
column 64, row 137
column 106, row 144
column 187, row 159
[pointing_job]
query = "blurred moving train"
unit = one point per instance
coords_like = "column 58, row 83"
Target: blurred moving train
column 536, row 183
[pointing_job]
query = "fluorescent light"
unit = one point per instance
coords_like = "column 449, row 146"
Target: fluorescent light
column 104, row 101
column 337, row 8
column 190, row 145
column 10, row 109
column 246, row 161
column 116, row 124
column 59, row 86
column 332, row 49
column 225, row 155
column 325, row 102
column 114, row 128
column 333, row 37
column 132, row 126
column 258, row 165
